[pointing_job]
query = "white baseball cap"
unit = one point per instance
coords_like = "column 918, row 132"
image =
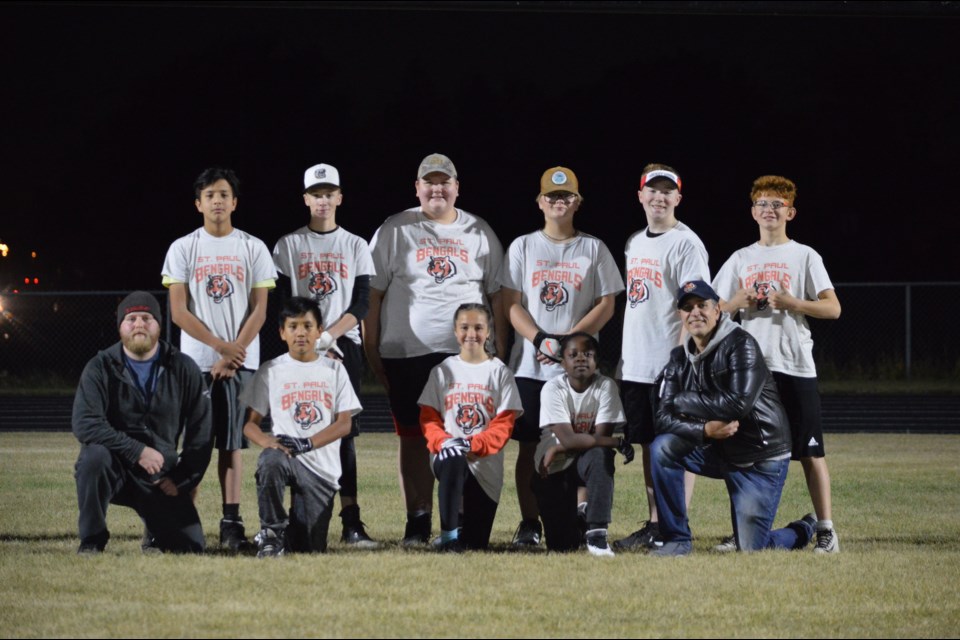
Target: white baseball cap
column 320, row 174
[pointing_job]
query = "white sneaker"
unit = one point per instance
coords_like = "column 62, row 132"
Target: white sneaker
column 726, row 545
column 827, row 542
column 597, row 543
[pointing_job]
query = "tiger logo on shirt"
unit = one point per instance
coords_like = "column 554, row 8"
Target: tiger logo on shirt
column 469, row 418
column 763, row 289
column 638, row 292
column 219, row 288
column 553, row 295
column 441, row 268
column 306, row 414
column 321, row 284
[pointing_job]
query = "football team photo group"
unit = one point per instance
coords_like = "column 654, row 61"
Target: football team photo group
column 476, row 344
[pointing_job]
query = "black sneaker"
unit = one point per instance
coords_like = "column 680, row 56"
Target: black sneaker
column 88, row 549
column 232, row 534
column 270, row 544
column 417, row 531
column 646, row 537
column 528, row 534
column 356, row 536
column 148, row 544
column 451, row 546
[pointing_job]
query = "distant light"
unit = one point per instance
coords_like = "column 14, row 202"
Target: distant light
column 3, row 250
column 33, row 254
column 36, row 281
column 26, row 281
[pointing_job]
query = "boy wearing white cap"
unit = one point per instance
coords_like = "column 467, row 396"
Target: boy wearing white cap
column 328, row 264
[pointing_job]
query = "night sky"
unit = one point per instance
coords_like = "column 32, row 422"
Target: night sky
column 110, row 111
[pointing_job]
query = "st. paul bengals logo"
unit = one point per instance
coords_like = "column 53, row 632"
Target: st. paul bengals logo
column 306, row 414
column 469, row 418
column 763, row 289
column 553, row 295
column 639, row 292
column 441, row 268
column 219, row 288
column 321, row 284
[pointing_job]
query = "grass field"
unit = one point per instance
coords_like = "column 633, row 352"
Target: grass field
column 896, row 503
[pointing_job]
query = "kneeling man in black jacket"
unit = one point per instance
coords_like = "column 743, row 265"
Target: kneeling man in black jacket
column 720, row 416
column 135, row 402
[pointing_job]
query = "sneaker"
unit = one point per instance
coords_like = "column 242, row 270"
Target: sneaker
column 148, row 544
column 646, row 537
column 355, row 536
column 232, row 534
column 270, row 544
column 582, row 521
column 417, row 531
column 528, row 534
column 726, row 545
column 827, row 542
column 451, row 546
column 89, row 550
column 597, row 543
column 673, row 549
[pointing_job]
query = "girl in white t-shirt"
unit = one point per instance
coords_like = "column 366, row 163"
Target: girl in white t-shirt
column 467, row 411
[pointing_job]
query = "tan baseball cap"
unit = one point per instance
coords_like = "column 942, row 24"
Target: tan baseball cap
column 437, row 163
column 559, row 179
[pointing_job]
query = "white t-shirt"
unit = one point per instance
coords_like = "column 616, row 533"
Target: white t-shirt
column 655, row 269
column 303, row 399
column 324, row 266
column 558, row 285
column 561, row 404
column 427, row 270
column 219, row 274
column 469, row 396
column 784, row 336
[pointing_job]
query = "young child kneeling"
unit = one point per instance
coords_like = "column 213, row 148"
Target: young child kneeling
column 467, row 411
column 311, row 402
column 578, row 413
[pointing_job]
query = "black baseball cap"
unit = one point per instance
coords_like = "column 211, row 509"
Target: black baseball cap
column 695, row 289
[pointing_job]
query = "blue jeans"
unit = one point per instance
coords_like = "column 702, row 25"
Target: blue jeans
column 754, row 494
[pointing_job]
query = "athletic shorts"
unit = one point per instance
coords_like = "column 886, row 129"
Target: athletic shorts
column 527, row 427
column 637, row 399
column 407, row 377
column 229, row 415
column 801, row 399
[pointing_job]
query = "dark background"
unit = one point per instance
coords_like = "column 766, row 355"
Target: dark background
column 110, row 110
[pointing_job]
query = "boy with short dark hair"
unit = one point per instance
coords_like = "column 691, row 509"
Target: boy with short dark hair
column 774, row 284
column 578, row 412
column 312, row 403
column 218, row 278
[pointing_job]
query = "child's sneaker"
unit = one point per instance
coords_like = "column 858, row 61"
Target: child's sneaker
column 597, row 543
column 270, row 544
column 232, row 534
column 827, row 542
column 726, row 545
column 646, row 537
column 528, row 534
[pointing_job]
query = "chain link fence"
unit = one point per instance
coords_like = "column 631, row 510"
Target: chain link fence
column 886, row 331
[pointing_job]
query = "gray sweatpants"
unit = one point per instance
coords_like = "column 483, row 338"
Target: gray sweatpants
column 312, row 501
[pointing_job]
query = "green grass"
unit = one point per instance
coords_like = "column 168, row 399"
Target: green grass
column 896, row 503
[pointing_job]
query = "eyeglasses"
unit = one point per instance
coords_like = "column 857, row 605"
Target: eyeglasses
column 776, row 204
column 553, row 198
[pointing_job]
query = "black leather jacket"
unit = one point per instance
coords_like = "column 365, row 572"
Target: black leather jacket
column 727, row 381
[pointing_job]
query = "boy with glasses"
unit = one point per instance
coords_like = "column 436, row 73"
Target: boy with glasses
column 774, row 284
